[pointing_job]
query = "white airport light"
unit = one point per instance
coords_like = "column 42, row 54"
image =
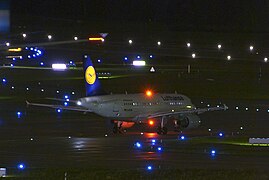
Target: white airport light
column 159, row 43
column 241, row 128
column 31, row 139
column 59, row 66
column 130, row 41
column 27, row 89
column 73, row 92
column 79, row 103
column 265, row 59
column 188, row 45
column 209, row 130
column 246, row 108
column 12, row 87
column 251, row 48
column 257, row 110
column 75, row 38
column 7, row 44
column 49, row 37
column 139, row 63
column 42, row 90
column 219, row 46
column 24, row 35
column 229, row 57
column 99, row 60
column 151, row 56
column 193, row 55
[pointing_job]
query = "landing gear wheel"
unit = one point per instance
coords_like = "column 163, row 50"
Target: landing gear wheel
column 163, row 130
column 115, row 130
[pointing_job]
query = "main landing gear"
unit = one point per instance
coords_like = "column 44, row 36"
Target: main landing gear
column 162, row 129
column 117, row 127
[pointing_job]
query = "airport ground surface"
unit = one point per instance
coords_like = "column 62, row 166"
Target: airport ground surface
column 42, row 138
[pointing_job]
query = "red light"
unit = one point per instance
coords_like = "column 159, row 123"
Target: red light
column 149, row 93
column 151, row 122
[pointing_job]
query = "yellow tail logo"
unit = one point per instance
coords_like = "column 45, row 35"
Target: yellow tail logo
column 90, row 75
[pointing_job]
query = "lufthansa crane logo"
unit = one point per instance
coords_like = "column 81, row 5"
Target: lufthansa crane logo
column 90, row 75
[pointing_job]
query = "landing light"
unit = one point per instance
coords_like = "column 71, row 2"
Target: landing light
column 149, row 93
column 151, row 122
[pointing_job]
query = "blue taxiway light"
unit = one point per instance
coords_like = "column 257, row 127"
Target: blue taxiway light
column 138, row 145
column 149, row 168
column 41, row 64
column 4, row 80
column 150, row 56
column 66, row 96
column 125, row 58
column 59, row 110
column 182, row 138
column 159, row 148
column 65, row 103
column 138, row 57
column 221, row 134
column 153, row 141
column 21, row 166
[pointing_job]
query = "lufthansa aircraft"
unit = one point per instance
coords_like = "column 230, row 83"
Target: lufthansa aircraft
column 125, row 110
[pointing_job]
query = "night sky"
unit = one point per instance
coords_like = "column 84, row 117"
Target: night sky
column 180, row 15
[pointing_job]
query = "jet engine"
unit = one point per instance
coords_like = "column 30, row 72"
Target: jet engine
column 187, row 121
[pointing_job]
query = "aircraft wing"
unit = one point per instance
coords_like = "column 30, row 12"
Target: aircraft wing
column 72, row 108
column 188, row 111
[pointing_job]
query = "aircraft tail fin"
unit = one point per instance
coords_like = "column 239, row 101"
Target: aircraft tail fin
column 93, row 85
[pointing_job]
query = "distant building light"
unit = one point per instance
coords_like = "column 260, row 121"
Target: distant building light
column 24, row 35
column 159, row 43
column 7, row 44
column 229, row 57
column 265, row 59
column 188, row 45
column 219, row 46
column 251, row 48
column 193, row 55
column 130, row 41
column 49, row 37
column 75, row 38
column 59, row 66
column 139, row 63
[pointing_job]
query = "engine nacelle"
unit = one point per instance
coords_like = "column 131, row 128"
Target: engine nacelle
column 187, row 121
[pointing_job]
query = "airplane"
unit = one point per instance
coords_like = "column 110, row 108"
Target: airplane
column 125, row 110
